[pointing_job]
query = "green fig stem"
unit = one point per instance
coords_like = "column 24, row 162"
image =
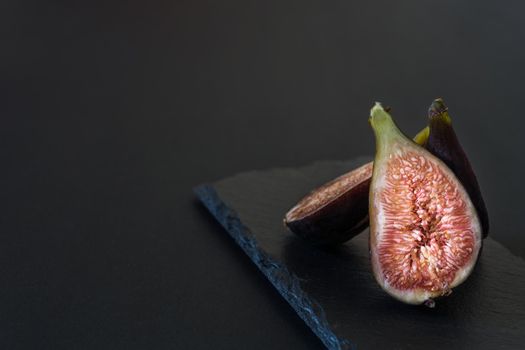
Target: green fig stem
column 385, row 130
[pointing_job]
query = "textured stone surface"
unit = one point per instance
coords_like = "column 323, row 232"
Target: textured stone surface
column 333, row 290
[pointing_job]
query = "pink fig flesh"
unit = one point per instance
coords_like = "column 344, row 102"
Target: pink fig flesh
column 425, row 234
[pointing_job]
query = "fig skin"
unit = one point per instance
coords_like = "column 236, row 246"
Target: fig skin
column 443, row 143
column 338, row 218
column 342, row 216
column 425, row 233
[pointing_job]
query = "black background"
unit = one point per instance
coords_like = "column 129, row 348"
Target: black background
column 112, row 112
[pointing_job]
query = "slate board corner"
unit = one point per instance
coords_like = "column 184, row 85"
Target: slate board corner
column 285, row 282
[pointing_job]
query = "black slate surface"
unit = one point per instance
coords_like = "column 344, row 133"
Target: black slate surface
column 333, row 290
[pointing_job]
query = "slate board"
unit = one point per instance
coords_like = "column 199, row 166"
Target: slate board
column 333, row 290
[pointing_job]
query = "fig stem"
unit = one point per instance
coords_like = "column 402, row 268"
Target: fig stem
column 438, row 111
column 385, row 129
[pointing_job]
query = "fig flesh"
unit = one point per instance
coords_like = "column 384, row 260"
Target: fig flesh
column 443, row 143
column 425, row 234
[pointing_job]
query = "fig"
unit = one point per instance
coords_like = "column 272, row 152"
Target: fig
column 338, row 210
column 443, row 143
column 335, row 212
column 425, row 233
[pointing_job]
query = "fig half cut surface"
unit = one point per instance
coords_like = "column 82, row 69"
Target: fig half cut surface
column 338, row 210
column 443, row 143
column 425, row 234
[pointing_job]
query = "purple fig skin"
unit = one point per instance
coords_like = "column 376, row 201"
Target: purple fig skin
column 337, row 219
column 443, row 143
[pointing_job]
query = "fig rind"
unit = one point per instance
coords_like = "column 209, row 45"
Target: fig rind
column 425, row 234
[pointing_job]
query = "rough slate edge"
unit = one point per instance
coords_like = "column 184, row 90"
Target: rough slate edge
column 285, row 282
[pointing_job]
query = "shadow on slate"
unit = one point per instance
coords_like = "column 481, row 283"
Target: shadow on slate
column 333, row 290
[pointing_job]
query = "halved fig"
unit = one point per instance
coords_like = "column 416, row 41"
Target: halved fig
column 425, row 234
column 444, row 144
column 335, row 212
column 338, row 210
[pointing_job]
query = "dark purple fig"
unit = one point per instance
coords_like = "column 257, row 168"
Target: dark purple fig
column 425, row 234
column 443, row 143
column 335, row 212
